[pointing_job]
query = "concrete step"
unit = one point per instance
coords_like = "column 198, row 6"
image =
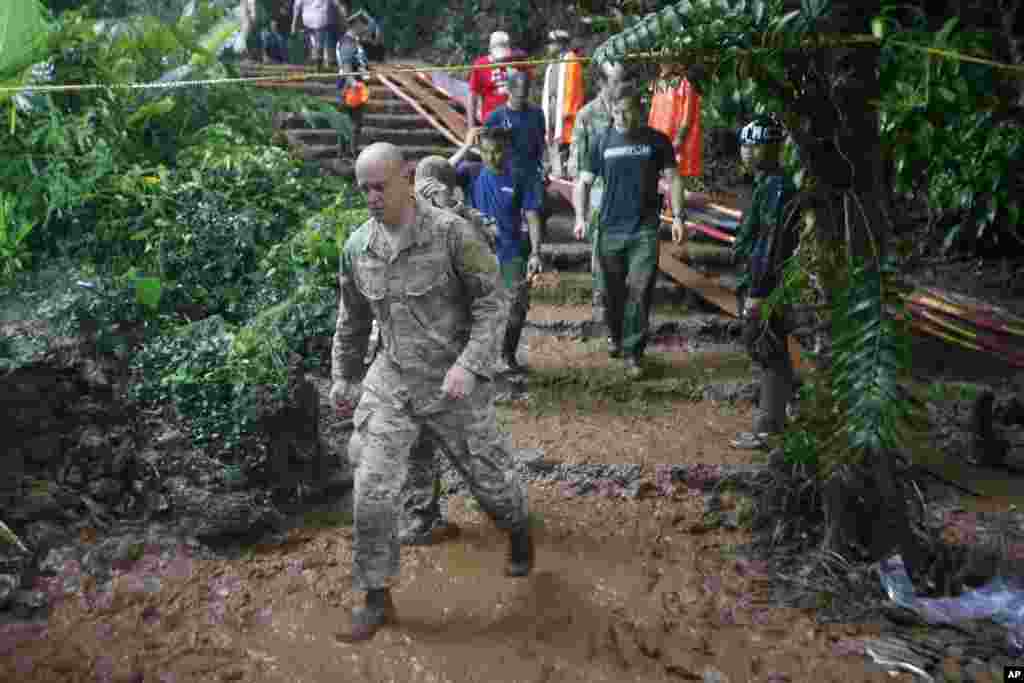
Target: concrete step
column 329, row 151
column 420, row 135
column 423, row 137
column 377, row 105
column 393, row 120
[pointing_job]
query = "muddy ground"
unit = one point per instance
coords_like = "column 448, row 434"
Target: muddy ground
column 625, row 589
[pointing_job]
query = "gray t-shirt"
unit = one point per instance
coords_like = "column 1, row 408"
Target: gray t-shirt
column 631, row 168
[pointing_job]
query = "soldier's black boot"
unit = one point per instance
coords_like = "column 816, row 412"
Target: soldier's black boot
column 520, row 553
column 366, row 621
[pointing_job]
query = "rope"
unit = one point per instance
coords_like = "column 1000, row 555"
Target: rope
column 639, row 56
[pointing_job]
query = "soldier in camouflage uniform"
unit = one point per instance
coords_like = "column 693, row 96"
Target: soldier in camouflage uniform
column 593, row 121
column 433, row 286
column 421, row 521
column 766, row 237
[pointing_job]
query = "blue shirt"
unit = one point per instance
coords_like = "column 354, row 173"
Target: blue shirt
column 502, row 198
column 527, row 126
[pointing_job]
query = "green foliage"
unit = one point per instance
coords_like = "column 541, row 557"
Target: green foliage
column 940, row 121
column 14, row 230
column 871, row 350
column 23, row 35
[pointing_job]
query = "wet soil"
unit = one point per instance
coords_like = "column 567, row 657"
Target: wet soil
column 635, row 590
column 620, row 592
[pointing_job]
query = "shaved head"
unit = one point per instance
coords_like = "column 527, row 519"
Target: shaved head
column 381, row 174
column 380, row 153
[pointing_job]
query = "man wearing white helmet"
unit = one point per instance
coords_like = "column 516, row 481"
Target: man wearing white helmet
column 766, row 237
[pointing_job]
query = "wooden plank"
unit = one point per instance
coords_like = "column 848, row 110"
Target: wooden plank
column 440, row 108
column 705, row 286
column 414, row 103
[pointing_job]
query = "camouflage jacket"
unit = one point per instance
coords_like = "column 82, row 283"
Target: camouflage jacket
column 437, row 302
column 767, row 235
column 593, row 121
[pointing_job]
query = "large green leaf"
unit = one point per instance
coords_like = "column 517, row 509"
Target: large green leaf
column 23, row 32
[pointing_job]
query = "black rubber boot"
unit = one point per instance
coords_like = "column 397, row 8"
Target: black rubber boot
column 366, row 621
column 513, row 331
column 776, row 391
column 520, row 553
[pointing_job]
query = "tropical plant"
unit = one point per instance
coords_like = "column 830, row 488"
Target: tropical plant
column 822, row 88
column 14, row 229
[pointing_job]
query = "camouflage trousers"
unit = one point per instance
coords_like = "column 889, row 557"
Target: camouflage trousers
column 381, row 450
column 630, row 268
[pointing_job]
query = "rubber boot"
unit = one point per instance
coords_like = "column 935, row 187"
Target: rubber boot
column 366, row 621
column 776, row 391
column 513, row 332
column 520, row 553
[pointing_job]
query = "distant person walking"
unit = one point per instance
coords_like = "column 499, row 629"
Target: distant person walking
column 373, row 38
column 562, row 98
column 320, row 19
column 501, row 190
column 353, row 67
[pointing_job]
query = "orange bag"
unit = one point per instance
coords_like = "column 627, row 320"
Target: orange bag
column 356, row 95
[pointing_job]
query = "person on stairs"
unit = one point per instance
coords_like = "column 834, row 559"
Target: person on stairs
column 320, row 19
column 561, row 100
column 766, row 237
column 353, row 69
column 497, row 189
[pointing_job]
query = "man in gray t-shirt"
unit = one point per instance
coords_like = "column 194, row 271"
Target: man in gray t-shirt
column 630, row 157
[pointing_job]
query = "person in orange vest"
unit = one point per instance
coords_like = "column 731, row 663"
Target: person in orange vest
column 675, row 111
column 562, row 98
column 353, row 92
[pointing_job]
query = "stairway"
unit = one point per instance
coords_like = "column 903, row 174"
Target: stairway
column 387, row 118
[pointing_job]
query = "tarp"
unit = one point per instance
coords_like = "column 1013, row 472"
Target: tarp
column 1000, row 600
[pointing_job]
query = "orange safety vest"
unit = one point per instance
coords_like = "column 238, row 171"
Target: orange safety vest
column 567, row 78
column 356, row 95
column 668, row 107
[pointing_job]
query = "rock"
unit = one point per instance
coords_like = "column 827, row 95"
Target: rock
column 25, row 603
column 42, row 449
column 73, row 476
column 44, row 534
column 8, row 585
column 112, row 552
column 730, row 391
column 56, row 560
column 217, row 515
column 713, row 675
column 682, row 663
column 106, row 489
column 977, row 671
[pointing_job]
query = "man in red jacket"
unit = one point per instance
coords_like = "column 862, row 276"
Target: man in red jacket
column 487, row 88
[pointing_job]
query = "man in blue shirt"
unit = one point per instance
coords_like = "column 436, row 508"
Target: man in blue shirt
column 498, row 189
column 630, row 157
column 526, row 152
